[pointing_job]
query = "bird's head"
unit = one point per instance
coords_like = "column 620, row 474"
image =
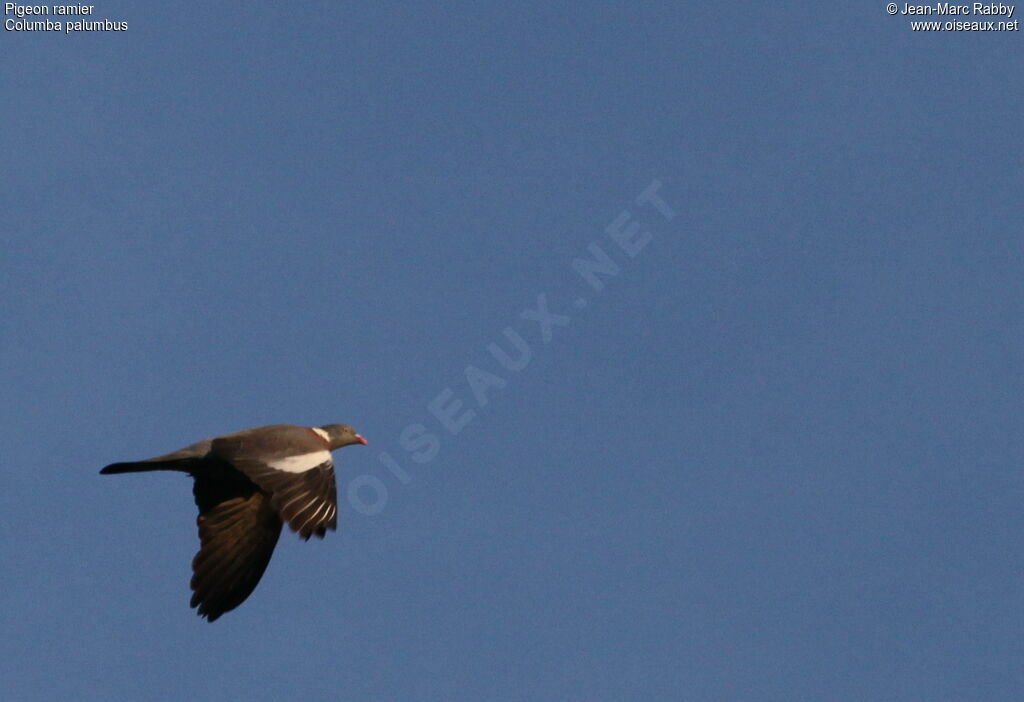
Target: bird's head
column 342, row 435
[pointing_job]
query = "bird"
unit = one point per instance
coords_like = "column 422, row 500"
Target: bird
column 247, row 484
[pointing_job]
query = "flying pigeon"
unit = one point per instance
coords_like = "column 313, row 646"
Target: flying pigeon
column 246, row 485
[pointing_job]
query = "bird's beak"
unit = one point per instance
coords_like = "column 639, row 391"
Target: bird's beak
column 361, row 440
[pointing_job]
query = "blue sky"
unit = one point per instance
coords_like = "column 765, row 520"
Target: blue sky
column 777, row 456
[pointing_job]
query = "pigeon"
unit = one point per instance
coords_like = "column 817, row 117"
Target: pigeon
column 247, row 484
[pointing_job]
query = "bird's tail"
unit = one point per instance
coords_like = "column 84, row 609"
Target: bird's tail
column 143, row 466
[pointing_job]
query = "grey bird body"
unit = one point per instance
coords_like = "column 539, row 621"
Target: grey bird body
column 247, row 484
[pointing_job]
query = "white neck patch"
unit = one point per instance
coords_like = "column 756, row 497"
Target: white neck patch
column 300, row 463
column 326, row 437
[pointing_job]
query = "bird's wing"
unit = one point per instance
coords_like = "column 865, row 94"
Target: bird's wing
column 307, row 499
column 238, row 529
column 294, row 467
column 296, row 471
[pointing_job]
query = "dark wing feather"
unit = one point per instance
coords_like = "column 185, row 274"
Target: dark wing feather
column 238, row 529
column 308, row 501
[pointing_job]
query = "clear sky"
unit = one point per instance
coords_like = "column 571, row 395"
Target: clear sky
column 776, row 455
